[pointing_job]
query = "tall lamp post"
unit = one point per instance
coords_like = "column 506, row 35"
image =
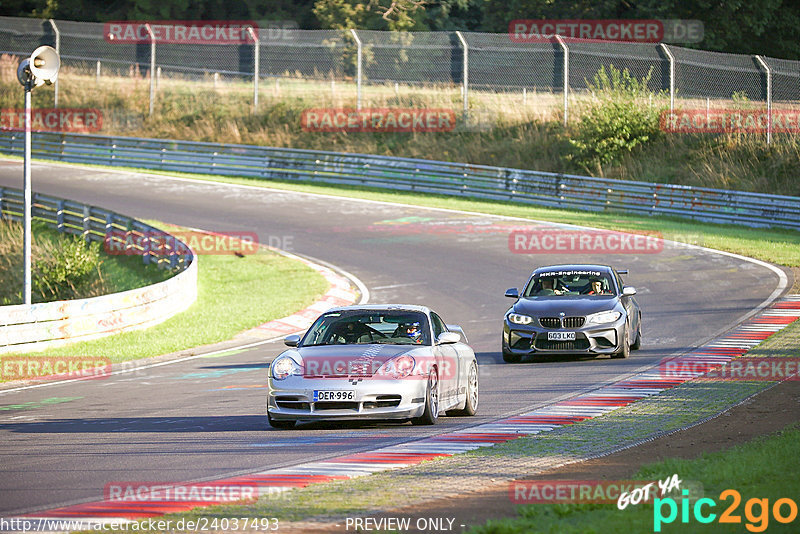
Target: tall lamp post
column 41, row 68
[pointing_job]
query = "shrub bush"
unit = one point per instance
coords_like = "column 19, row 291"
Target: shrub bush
column 69, row 269
column 618, row 122
column 62, row 267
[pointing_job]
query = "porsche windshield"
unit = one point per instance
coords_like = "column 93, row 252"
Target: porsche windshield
column 570, row 284
column 394, row 327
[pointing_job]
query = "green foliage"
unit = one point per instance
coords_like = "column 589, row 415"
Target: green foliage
column 613, row 82
column 618, row 123
column 734, row 26
column 768, row 26
column 397, row 15
column 64, row 267
column 67, row 270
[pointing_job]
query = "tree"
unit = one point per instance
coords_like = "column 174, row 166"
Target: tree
column 398, row 15
column 768, row 27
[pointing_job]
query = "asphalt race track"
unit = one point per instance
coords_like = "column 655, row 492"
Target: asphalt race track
column 205, row 418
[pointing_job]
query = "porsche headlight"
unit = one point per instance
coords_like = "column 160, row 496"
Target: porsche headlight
column 517, row 318
column 603, row 317
column 399, row 367
column 285, row 366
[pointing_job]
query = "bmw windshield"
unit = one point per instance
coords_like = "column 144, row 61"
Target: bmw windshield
column 393, row 327
column 570, row 283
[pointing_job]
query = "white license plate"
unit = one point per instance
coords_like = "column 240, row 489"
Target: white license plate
column 325, row 395
column 561, row 336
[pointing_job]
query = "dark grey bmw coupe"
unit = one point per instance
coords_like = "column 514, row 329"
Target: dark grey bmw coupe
column 572, row 309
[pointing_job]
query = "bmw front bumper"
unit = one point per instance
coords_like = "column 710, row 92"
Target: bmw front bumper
column 523, row 340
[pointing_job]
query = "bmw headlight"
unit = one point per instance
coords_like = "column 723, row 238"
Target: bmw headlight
column 285, row 366
column 603, row 317
column 517, row 318
column 399, row 367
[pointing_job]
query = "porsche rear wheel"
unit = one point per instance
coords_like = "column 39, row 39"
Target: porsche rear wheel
column 431, row 413
column 471, row 404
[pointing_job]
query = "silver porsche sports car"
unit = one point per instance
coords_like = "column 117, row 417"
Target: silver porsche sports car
column 569, row 309
column 397, row 362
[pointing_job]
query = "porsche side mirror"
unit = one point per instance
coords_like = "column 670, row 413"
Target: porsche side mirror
column 628, row 291
column 512, row 293
column 448, row 337
column 291, row 341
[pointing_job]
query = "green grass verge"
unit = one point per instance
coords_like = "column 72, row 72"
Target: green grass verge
column 234, row 294
column 765, row 468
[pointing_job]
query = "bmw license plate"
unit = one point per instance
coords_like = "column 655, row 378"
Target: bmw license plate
column 561, row 336
column 326, row 395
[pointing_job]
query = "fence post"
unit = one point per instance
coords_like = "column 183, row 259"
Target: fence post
column 465, row 70
column 109, row 234
column 60, row 215
column 256, row 65
column 766, row 68
column 565, row 49
column 358, row 68
column 97, row 77
column 58, row 51
column 671, row 77
column 152, row 67
column 87, row 223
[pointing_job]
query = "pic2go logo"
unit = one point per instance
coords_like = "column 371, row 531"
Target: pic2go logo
column 756, row 511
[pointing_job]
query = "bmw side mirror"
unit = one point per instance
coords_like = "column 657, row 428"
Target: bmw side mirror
column 628, row 291
column 291, row 341
column 512, row 293
column 448, row 337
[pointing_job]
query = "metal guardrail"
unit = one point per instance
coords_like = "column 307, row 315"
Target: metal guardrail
column 456, row 179
column 121, row 234
column 46, row 324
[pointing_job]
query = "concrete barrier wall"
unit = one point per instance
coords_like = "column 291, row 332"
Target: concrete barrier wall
column 48, row 324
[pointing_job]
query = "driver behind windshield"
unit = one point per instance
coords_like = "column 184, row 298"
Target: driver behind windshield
column 549, row 287
column 401, row 327
column 411, row 331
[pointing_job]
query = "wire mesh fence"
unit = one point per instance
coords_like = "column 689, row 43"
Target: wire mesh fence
column 472, row 69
